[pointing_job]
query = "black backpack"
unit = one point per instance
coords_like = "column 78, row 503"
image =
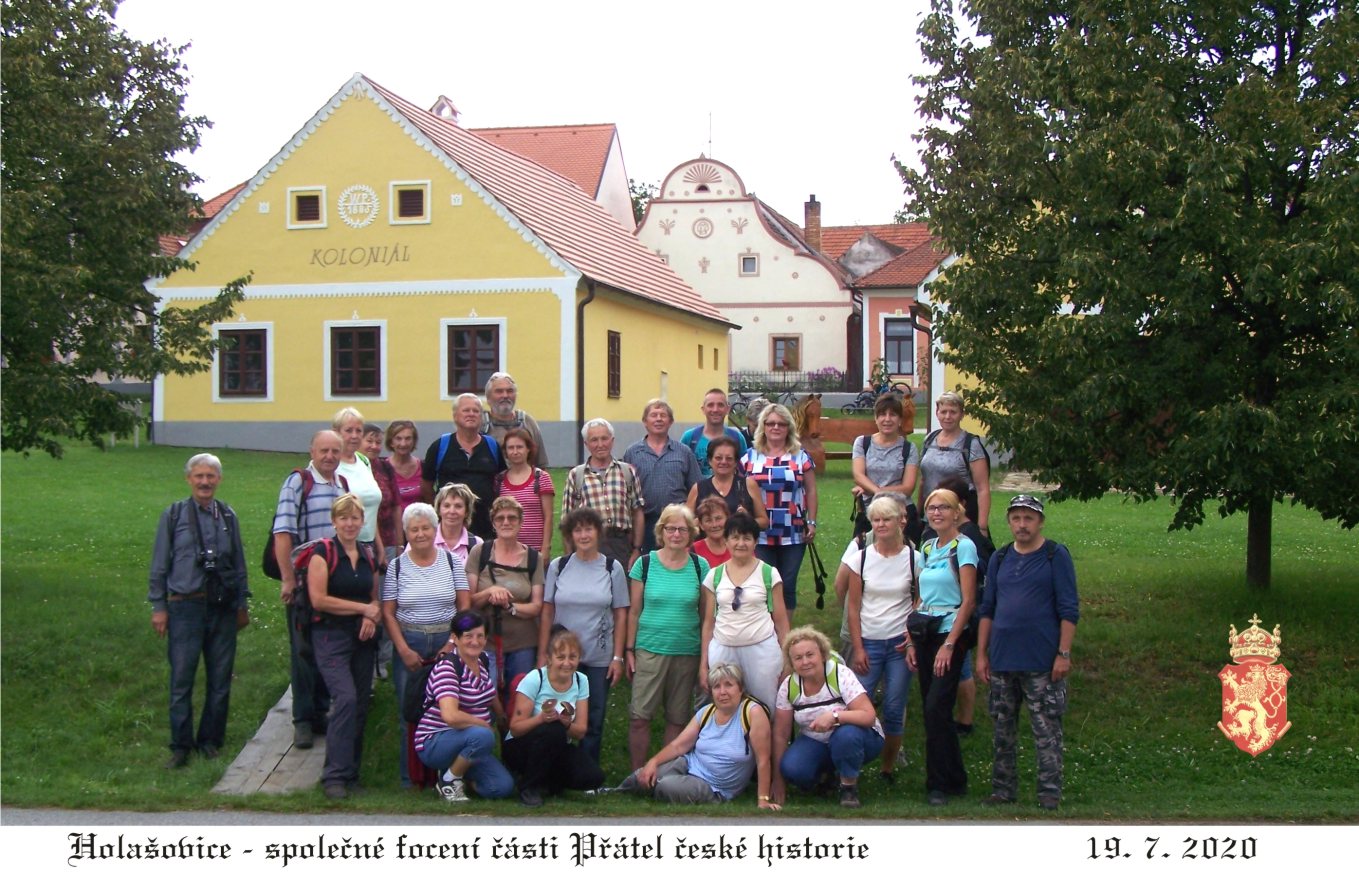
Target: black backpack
column 416, row 701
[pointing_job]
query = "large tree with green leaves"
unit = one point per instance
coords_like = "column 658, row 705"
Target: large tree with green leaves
column 1157, row 208
column 93, row 121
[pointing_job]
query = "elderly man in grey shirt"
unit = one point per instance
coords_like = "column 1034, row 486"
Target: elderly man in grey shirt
column 500, row 415
column 198, row 590
column 666, row 468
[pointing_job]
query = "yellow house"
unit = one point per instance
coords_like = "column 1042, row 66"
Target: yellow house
column 398, row 260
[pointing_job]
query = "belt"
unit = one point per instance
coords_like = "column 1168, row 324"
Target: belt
column 182, row 597
column 426, row 628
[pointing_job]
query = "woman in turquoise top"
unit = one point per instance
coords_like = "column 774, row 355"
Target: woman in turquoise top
column 948, row 594
column 663, row 630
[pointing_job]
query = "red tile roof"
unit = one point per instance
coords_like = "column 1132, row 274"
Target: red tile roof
column 577, row 152
column 569, row 222
column 835, row 240
column 170, row 245
column 907, row 270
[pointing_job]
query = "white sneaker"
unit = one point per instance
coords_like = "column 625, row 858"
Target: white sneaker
column 451, row 790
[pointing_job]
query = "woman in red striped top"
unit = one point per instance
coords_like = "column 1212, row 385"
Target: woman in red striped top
column 531, row 487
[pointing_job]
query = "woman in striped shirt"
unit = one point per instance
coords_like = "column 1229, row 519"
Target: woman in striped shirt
column 455, row 736
column 531, row 487
column 419, row 596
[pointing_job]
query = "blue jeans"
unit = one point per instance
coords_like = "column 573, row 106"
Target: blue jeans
column 311, row 698
column 787, row 558
column 199, row 630
column 346, row 663
column 849, row 748
column 425, row 645
column 488, row 776
column 599, row 698
column 888, row 664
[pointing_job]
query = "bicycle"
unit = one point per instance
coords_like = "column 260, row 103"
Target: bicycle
column 865, row 400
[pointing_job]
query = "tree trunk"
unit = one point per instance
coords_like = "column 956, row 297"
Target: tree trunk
column 1259, row 540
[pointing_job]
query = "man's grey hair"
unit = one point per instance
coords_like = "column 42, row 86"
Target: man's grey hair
column 496, row 378
column 458, row 400
column 598, row 421
column 204, row 459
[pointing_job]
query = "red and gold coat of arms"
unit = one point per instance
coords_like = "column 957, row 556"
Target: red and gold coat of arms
column 1254, row 690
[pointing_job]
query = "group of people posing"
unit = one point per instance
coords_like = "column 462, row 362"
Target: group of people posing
column 678, row 574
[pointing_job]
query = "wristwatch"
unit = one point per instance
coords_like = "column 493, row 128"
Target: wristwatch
column 1066, row 653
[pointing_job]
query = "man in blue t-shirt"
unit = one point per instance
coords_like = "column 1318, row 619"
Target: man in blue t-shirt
column 1028, row 623
column 715, row 410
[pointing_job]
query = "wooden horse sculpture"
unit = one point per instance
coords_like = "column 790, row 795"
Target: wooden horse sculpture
column 807, row 414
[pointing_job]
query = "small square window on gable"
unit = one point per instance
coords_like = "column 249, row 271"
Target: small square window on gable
column 750, row 264
column 409, row 203
column 307, row 207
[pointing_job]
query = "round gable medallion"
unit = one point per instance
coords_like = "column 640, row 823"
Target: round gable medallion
column 357, row 206
column 703, row 227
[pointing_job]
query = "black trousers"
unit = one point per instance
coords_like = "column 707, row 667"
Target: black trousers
column 944, row 769
column 546, row 760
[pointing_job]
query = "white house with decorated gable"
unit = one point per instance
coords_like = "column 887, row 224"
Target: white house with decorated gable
column 752, row 264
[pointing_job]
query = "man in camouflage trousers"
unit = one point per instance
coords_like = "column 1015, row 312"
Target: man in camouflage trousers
column 1028, row 623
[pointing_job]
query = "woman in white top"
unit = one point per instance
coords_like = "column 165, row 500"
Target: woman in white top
column 838, row 728
column 881, row 580
column 744, row 618
column 358, row 475
column 419, row 596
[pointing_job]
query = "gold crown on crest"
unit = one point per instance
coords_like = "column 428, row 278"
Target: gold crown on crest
column 1254, row 644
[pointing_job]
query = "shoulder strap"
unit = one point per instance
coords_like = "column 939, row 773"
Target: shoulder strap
column 646, row 568
column 484, row 558
column 706, row 715
column 690, row 439
column 833, row 675
column 532, row 562
column 493, row 445
column 767, row 573
column 560, row 563
column 717, row 576
column 443, row 450
column 698, row 568
column 1050, row 547
column 609, row 563
column 1002, row 553
column 577, row 479
column 538, row 480
column 929, row 440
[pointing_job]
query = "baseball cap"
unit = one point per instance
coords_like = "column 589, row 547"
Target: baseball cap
column 1026, row 502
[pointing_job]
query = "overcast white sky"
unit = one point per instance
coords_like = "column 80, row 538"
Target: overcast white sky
column 805, row 97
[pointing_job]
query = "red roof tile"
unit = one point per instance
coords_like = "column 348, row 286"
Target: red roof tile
column 907, row 270
column 554, row 208
column 578, row 152
column 835, row 240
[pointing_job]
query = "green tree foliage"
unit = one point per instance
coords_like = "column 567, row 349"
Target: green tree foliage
column 641, row 193
column 93, row 120
column 1157, row 207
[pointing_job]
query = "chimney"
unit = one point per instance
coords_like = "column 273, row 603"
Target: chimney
column 811, row 231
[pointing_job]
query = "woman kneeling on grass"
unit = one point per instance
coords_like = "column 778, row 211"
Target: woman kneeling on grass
column 455, row 736
column 838, row 729
column 551, row 710
column 712, row 760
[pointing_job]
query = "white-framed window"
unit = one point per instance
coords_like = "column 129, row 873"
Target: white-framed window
column 307, row 207
column 748, row 265
column 470, row 351
column 408, row 203
column 898, row 345
column 243, row 367
column 355, row 361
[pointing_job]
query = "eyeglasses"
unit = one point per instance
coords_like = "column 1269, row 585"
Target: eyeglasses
column 777, row 424
column 736, row 600
column 937, row 508
column 675, row 529
column 504, row 517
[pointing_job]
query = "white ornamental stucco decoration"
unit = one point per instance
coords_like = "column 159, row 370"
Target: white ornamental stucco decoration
column 357, row 206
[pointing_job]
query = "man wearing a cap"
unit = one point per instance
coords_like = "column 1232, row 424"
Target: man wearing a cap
column 1028, row 613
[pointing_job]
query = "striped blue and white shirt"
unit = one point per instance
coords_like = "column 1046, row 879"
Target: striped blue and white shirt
column 425, row 594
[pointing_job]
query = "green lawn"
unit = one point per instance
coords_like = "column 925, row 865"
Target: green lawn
column 84, row 678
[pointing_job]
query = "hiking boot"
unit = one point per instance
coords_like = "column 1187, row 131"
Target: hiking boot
column 336, row 791
column 937, row 798
column 849, row 796
column 1048, row 802
column 208, row 752
column 303, row 737
column 997, row 800
column 179, row 758
column 451, row 790
column 531, row 797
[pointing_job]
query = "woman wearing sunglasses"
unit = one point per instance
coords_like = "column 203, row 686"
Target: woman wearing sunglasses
column 744, row 618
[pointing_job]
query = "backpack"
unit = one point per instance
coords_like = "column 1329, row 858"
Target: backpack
column 416, row 701
column 693, row 558
column 864, row 544
column 560, row 563
column 706, row 715
column 537, row 480
column 794, row 690
column 966, row 449
column 484, row 561
column 1049, row 547
column 304, row 614
column 447, row 438
column 269, row 562
column 766, row 572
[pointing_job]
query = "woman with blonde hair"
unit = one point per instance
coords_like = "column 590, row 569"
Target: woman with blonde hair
column 357, row 472
column 951, row 452
column 663, row 630
column 838, row 730
column 786, row 478
column 454, row 505
column 948, row 594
